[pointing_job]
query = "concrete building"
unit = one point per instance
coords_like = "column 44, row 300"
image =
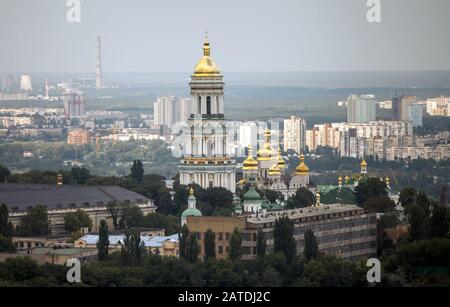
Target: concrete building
column 79, row 137
column 295, row 134
column 168, row 110
column 415, row 115
column 342, row 230
column 360, row 108
column 60, row 199
column 323, row 135
column 74, row 104
column 439, row 106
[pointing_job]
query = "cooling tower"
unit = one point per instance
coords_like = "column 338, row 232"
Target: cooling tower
column 25, row 83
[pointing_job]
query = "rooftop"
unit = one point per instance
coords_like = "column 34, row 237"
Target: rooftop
column 149, row 241
column 301, row 213
column 22, row 196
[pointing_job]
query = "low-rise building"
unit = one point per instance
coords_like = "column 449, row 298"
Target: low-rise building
column 343, row 230
column 154, row 244
column 61, row 199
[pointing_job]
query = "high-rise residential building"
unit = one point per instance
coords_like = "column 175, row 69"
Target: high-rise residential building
column 415, row 114
column 248, row 134
column 439, row 106
column 79, row 137
column 400, row 106
column 168, row 110
column 8, row 84
column 295, row 134
column 323, row 135
column 74, row 104
column 205, row 160
column 360, row 108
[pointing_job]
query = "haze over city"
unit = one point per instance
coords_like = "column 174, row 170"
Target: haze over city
column 253, row 35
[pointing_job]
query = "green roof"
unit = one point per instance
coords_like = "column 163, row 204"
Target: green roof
column 191, row 212
column 252, row 194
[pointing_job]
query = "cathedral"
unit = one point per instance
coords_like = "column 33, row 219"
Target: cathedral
column 269, row 170
column 205, row 161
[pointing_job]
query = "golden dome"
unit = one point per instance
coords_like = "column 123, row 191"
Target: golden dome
column 340, row 178
column 281, row 162
column 363, row 163
column 266, row 152
column 250, row 164
column 206, row 66
column 274, row 170
column 302, row 168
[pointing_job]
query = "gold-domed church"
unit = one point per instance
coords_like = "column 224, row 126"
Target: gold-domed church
column 205, row 159
column 269, row 169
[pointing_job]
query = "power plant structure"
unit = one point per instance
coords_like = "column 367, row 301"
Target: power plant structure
column 99, row 74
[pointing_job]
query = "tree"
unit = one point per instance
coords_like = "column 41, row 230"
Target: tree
column 235, row 240
column 261, row 244
column 439, row 221
column 132, row 216
column 137, row 171
column 103, row 241
column 311, row 250
column 382, row 204
column 6, row 244
column 35, row 222
column 113, row 209
column 272, row 195
column 301, row 199
column 74, row 221
column 183, row 241
column 372, row 187
column 6, row 228
column 4, row 173
column 407, row 197
column 283, row 235
column 81, row 175
column 210, row 244
column 192, row 249
column 418, row 223
column 132, row 248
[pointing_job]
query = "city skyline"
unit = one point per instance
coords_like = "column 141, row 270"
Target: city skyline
column 160, row 37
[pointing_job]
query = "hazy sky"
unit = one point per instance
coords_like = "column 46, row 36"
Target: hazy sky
column 246, row 35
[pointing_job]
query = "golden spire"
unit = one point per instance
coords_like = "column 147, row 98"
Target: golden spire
column 266, row 152
column 250, row 164
column 191, row 192
column 206, row 66
column 302, row 168
column 317, row 199
column 274, row 170
column 363, row 163
column 281, row 162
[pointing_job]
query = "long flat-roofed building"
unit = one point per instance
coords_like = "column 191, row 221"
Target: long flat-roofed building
column 343, row 230
column 61, row 199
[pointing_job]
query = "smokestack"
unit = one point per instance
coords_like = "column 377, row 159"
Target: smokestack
column 46, row 88
column 99, row 75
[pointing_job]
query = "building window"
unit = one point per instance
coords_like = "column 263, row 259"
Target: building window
column 199, row 105
column 220, row 236
column 217, row 104
column 208, row 105
column 199, row 236
column 220, row 250
column 227, row 236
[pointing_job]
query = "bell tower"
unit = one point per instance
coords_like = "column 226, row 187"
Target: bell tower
column 205, row 160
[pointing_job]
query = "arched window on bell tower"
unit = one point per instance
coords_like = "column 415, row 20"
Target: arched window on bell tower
column 217, row 104
column 199, row 105
column 208, row 105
